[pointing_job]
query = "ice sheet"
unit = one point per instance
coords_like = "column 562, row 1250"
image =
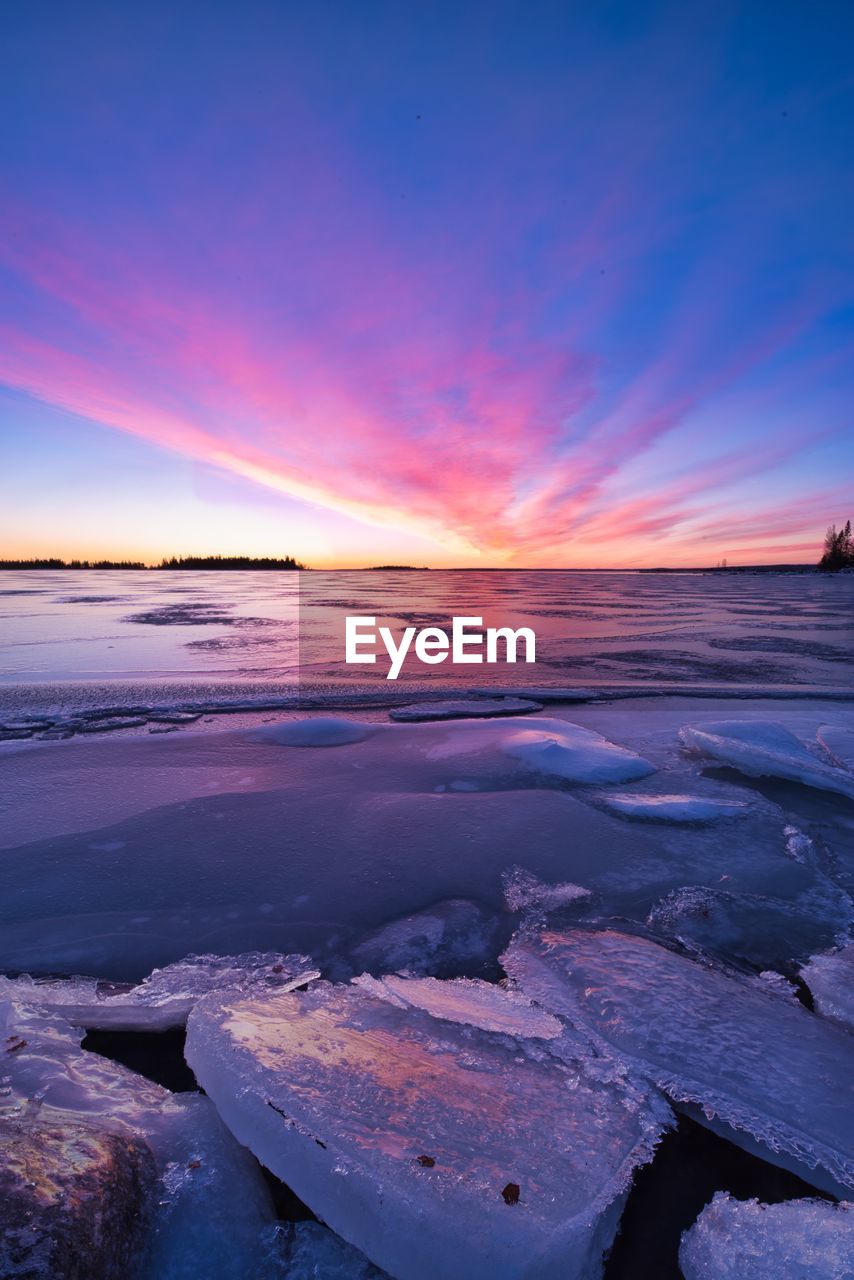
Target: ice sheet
column 438, row 1148
column 744, row 1060
column 761, row 748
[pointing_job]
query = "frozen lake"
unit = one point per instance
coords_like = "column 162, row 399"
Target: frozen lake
column 654, row 851
column 73, row 642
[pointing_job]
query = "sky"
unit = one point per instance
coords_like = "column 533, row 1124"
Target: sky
column 492, row 284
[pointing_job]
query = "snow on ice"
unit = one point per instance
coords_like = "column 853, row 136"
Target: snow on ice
column 745, row 1240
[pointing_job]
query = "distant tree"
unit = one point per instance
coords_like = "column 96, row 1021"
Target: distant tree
column 838, row 549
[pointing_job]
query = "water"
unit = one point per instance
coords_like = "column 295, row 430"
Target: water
column 76, row 643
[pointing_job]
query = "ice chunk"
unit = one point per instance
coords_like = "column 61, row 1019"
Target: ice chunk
column 565, row 750
column 212, row 1200
column 465, row 709
column 524, row 892
column 761, row 748
column 672, row 808
column 747, row 1240
column 439, row 1149
column 830, row 978
column 759, row 1069
column 310, row 1251
column 477, row 1004
column 447, row 940
column 165, row 997
column 838, row 742
column 315, row 731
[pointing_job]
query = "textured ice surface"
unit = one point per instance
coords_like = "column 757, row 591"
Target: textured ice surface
column 165, row 997
column 568, row 751
column 212, row 1202
column 438, row 1148
column 672, row 808
column 830, row 978
column 746, row 1240
column 476, row 1004
column 747, row 1062
column 316, row 731
column 761, row 748
column 446, row 940
column 124, row 855
column 464, row 709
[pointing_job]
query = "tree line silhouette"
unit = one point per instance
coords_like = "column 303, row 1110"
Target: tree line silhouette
column 838, row 549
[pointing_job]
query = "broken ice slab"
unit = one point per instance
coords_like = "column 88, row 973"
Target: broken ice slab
column 751, row 1065
column 165, row 997
column 472, row 1003
column 830, row 978
column 672, row 808
column 569, row 751
column 435, row 1146
column 211, row 1199
column 761, row 748
column 464, row 709
column 746, row 1240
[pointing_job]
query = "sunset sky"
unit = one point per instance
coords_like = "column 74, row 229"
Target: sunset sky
column 442, row 283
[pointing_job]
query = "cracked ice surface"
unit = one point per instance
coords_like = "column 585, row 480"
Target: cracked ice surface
column 761, row 748
column 747, row 1062
column 747, row 1240
column 164, row 998
column 437, row 1147
column 123, row 856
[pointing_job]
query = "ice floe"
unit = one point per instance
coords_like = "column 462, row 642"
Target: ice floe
column 438, row 1148
column 762, row 748
column 672, row 808
column 165, row 997
column 746, row 1240
column 830, row 979
column 563, row 750
column 762, row 1071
